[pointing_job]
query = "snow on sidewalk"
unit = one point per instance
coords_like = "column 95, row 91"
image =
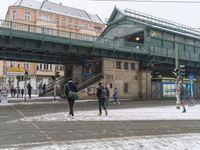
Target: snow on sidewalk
column 147, row 113
column 164, row 142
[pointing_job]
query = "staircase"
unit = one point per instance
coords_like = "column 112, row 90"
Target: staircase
column 89, row 82
column 59, row 85
column 61, row 82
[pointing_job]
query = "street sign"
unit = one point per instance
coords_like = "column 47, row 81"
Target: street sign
column 191, row 76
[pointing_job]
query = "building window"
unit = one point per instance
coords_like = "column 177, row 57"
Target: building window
column 85, row 26
column 118, row 65
column 61, row 68
column 97, row 29
column 37, row 67
column 44, row 18
column 50, row 67
column 63, row 23
column 132, row 66
column 27, row 16
column 56, row 68
column 46, row 67
column 12, row 64
column 57, row 20
column 40, row 66
column 76, row 24
column 18, row 65
column 26, row 66
column 14, row 14
column 125, row 87
column 70, row 23
column 125, row 65
column 136, row 77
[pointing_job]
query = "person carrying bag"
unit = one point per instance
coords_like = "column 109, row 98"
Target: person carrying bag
column 71, row 93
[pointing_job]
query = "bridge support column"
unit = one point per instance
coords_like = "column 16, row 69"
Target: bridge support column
column 145, row 84
column 77, row 73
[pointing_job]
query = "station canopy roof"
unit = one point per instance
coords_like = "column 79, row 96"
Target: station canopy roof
column 152, row 21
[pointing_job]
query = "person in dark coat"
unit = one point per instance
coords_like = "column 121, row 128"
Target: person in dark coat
column 22, row 92
column 108, row 95
column 29, row 89
column 70, row 87
column 44, row 88
column 101, row 98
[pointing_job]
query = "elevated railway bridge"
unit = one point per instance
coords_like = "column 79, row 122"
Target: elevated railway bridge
column 129, row 35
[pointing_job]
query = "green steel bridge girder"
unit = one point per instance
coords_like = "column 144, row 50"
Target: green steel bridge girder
column 34, row 47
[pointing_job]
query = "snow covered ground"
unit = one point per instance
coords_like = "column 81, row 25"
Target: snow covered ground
column 148, row 113
column 188, row 141
column 166, row 142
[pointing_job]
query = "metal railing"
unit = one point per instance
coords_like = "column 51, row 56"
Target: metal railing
column 90, row 81
column 77, row 37
column 152, row 20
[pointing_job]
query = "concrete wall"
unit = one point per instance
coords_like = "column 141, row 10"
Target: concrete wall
column 77, row 73
column 138, row 82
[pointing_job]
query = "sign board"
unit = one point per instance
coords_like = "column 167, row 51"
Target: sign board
column 14, row 69
column 191, row 76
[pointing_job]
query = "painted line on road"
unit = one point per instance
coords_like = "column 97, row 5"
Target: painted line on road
column 35, row 125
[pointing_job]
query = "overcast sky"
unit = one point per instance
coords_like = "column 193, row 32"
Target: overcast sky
column 187, row 14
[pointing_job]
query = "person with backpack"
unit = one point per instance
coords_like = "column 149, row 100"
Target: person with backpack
column 70, row 87
column 102, row 96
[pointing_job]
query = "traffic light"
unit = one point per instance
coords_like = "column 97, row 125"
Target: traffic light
column 182, row 70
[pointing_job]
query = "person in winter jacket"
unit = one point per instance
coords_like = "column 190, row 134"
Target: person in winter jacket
column 102, row 97
column 70, row 87
column 116, row 96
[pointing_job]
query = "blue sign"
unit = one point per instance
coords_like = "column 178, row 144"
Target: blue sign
column 191, row 76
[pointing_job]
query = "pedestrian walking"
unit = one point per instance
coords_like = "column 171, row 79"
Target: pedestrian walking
column 102, row 96
column 116, row 96
column 108, row 95
column 44, row 88
column 29, row 87
column 70, row 87
column 14, row 91
column 22, row 92
column 182, row 92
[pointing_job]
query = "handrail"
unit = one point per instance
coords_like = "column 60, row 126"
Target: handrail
column 159, row 21
column 50, row 86
column 85, row 83
column 89, row 39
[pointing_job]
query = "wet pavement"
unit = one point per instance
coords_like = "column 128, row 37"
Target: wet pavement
column 23, row 134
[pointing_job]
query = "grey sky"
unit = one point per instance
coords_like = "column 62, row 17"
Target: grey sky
column 187, row 14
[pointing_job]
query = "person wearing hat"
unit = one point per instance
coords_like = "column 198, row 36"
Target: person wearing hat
column 70, row 87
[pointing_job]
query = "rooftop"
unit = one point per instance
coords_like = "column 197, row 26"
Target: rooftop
column 48, row 6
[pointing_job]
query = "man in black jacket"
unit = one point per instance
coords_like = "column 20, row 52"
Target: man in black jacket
column 70, row 87
column 101, row 99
